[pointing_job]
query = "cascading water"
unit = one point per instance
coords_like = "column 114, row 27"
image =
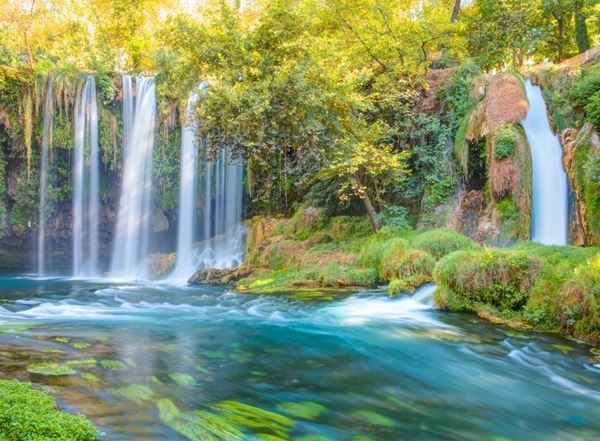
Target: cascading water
column 131, row 242
column 223, row 229
column 86, row 183
column 184, row 266
column 46, row 146
column 549, row 192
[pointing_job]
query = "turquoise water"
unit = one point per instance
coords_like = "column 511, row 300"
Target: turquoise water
column 163, row 362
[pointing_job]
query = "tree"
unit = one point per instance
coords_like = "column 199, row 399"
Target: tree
column 364, row 167
column 581, row 32
column 559, row 14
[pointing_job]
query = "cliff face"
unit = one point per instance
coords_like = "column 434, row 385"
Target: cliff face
column 494, row 155
column 582, row 161
column 22, row 107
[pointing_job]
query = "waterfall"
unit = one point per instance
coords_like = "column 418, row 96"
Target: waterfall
column 184, row 266
column 131, row 242
column 549, row 191
column 86, row 182
column 46, row 146
column 223, row 231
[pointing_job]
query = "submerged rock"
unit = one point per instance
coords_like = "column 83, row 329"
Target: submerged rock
column 214, row 276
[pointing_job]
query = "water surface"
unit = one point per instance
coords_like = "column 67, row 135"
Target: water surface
column 161, row 362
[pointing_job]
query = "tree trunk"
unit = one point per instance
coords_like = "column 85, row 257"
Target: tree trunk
column 561, row 39
column 366, row 200
column 455, row 10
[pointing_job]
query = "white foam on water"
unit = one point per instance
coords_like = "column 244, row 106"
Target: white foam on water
column 531, row 357
column 358, row 310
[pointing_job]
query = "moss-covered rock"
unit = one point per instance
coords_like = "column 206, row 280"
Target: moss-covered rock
column 582, row 164
column 498, row 278
column 548, row 287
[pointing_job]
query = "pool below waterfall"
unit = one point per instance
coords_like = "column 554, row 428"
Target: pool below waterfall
column 163, row 362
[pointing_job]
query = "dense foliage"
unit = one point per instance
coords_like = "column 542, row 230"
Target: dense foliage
column 329, row 101
column 30, row 414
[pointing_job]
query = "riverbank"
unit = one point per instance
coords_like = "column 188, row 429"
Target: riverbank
column 547, row 288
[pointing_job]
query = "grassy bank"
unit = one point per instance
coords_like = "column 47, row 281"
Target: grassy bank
column 310, row 250
column 545, row 287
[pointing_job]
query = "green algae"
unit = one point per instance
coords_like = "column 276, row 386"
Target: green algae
column 81, row 345
column 62, row 339
column 182, row 379
column 137, row 393
column 214, row 354
column 15, row 328
column 87, row 363
column 154, row 379
column 254, row 418
column 307, row 410
column 50, row 369
column 197, row 425
column 112, row 365
column 373, row 418
column 92, row 379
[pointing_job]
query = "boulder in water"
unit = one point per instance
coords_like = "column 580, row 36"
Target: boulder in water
column 214, row 276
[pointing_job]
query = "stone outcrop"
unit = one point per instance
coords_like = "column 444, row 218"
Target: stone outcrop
column 213, row 276
column 579, row 148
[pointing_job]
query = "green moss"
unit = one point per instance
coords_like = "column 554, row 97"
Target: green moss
column 29, row 414
column 50, row 369
column 550, row 287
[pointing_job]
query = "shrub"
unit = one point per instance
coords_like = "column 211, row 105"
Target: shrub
column 505, row 143
column 579, row 302
column 29, row 414
column 592, row 109
column 442, row 241
column 372, row 252
column 339, row 275
column 498, row 278
column 400, row 264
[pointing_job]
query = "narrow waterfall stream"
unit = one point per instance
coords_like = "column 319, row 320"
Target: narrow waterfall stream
column 46, row 146
column 549, row 191
column 184, row 266
column 223, row 232
column 131, row 241
column 86, row 183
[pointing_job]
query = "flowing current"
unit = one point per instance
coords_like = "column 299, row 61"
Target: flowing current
column 86, row 183
column 46, row 146
column 131, row 241
column 222, row 232
column 161, row 362
column 185, row 265
column 549, row 220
